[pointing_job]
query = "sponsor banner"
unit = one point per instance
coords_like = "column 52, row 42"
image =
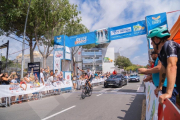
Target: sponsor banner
column 128, row 30
column 13, row 90
column 82, row 39
column 156, row 111
column 102, row 36
column 34, row 70
column 68, row 54
column 151, row 102
column 58, row 55
column 107, row 59
column 154, row 21
column 59, row 40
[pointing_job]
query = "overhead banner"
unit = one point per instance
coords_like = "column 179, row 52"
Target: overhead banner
column 154, row 21
column 82, row 39
column 34, row 70
column 102, row 36
column 128, row 30
column 59, row 40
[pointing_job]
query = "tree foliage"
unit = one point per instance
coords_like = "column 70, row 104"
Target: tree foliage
column 122, row 62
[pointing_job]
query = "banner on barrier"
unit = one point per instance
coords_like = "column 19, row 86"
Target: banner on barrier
column 128, row 30
column 155, row 111
column 13, row 90
column 34, row 70
column 153, row 21
column 151, row 102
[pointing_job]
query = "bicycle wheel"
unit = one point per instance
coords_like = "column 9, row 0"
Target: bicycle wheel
column 83, row 95
column 90, row 92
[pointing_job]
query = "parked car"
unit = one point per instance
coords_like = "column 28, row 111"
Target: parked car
column 133, row 78
column 117, row 80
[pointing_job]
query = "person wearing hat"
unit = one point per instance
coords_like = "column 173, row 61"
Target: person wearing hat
column 169, row 58
column 155, row 74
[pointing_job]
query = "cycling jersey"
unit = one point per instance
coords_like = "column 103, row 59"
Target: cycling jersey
column 171, row 49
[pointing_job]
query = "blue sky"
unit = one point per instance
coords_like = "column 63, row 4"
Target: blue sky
column 97, row 14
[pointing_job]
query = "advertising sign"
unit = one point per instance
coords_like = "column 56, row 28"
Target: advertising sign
column 128, row 30
column 58, row 55
column 153, row 21
column 34, row 70
column 102, row 36
column 82, row 39
column 59, row 40
column 68, row 54
column 107, row 59
column 151, row 102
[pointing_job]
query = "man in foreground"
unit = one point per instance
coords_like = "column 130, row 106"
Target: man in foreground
column 169, row 55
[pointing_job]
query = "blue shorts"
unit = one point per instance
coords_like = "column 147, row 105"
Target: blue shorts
column 174, row 94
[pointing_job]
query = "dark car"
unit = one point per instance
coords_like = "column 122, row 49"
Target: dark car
column 134, row 78
column 117, row 80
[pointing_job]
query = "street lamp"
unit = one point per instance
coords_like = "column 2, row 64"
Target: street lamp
column 119, row 51
column 22, row 62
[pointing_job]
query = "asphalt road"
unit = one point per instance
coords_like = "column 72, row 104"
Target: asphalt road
column 123, row 103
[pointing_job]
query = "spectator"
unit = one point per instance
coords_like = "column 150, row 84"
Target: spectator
column 55, row 77
column 42, row 76
column 60, row 76
column 36, row 84
column 78, row 76
column 14, row 82
column 114, row 72
column 28, row 79
column 46, row 74
column 74, row 82
column 23, row 88
column 5, row 79
column 36, row 77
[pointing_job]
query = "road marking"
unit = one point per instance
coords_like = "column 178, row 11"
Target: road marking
column 140, row 89
column 104, row 90
column 58, row 113
column 117, row 89
column 99, row 94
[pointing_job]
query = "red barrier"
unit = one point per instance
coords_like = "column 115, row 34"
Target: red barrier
column 168, row 111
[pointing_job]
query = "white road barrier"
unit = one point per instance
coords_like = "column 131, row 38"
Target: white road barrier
column 14, row 90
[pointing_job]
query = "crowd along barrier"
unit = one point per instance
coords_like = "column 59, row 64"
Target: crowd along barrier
column 156, row 111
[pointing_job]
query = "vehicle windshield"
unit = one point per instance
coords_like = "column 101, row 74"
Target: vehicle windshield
column 112, row 76
column 133, row 76
column 118, row 76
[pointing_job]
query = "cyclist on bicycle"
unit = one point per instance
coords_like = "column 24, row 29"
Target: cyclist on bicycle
column 169, row 55
column 90, row 77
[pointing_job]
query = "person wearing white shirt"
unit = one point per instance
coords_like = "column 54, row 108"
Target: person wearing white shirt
column 42, row 77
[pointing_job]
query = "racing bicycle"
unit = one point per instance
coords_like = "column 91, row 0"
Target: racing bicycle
column 86, row 90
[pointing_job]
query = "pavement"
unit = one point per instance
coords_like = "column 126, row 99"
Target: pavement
column 123, row 103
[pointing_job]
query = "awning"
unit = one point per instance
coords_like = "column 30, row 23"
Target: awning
column 175, row 31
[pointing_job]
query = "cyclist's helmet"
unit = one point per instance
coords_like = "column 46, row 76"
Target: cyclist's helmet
column 160, row 32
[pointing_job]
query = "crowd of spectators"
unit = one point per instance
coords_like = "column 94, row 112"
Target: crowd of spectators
column 46, row 75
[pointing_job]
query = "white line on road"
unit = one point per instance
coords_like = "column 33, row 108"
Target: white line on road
column 115, row 90
column 99, row 94
column 58, row 113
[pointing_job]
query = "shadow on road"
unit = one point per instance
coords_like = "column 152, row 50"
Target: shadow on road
column 135, row 109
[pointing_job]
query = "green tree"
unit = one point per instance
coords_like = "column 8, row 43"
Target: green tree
column 122, row 62
column 57, row 15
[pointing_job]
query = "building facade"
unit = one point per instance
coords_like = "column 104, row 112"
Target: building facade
column 96, row 59
column 37, row 58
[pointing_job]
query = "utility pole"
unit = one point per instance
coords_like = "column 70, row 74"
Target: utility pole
column 22, row 62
